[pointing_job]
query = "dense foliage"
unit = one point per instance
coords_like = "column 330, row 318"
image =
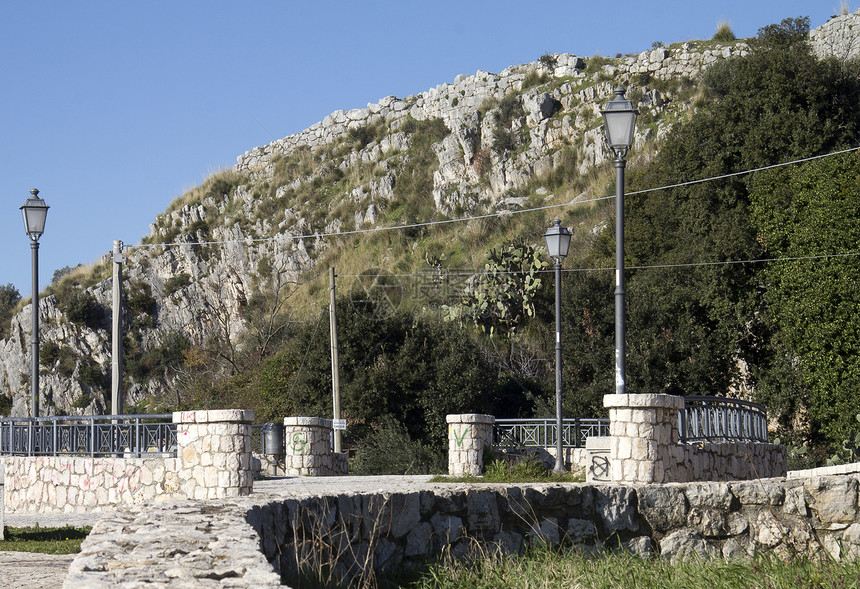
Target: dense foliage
column 698, row 326
column 808, row 216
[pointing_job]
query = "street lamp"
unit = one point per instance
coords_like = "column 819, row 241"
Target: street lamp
column 619, row 122
column 557, row 243
column 35, row 212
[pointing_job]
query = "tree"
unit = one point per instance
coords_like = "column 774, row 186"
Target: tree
column 814, row 210
column 9, row 299
column 691, row 326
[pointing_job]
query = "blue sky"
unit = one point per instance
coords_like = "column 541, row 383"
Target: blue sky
column 114, row 108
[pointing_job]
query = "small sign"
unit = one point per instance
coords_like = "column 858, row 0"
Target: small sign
column 338, row 423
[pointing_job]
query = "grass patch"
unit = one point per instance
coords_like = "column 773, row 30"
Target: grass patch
column 64, row 540
column 552, row 568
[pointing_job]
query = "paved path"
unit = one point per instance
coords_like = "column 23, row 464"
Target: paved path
column 30, row 570
column 45, row 571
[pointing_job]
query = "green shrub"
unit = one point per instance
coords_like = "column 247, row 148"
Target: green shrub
column 175, row 283
column 9, row 299
column 79, row 306
column 5, row 406
column 82, row 401
column 67, row 360
column 595, row 64
column 527, row 468
column 510, row 109
column 49, row 351
column 156, row 361
column 139, row 299
column 366, row 134
column 548, row 60
column 533, row 78
column 90, row 373
column 390, row 450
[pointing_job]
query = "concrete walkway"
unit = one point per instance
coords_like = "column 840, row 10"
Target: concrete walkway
column 29, row 570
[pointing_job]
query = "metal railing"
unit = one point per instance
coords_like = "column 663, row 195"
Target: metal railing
column 720, row 419
column 88, row 435
column 541, row 433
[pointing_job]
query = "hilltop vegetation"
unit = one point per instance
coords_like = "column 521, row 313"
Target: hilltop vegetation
column 694, row 327
column 226, row 297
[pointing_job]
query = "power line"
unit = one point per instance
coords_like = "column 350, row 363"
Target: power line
column 491, row 215
column 732, row 174
column 460, row 272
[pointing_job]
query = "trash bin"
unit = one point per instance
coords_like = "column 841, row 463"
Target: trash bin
column 273, row 439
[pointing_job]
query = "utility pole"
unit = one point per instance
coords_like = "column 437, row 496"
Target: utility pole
column 116, row 354
column 335, row 363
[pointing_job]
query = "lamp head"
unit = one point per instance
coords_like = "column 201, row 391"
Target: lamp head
column 557, row 241
column 619, row 123
column 35, row 211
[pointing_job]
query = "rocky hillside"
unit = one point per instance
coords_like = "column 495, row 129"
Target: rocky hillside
column 490, row 142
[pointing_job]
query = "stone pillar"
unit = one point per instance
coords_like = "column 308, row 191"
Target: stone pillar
column 643, row 430
column 468, row 435
column 308, row 442
column 214, row 453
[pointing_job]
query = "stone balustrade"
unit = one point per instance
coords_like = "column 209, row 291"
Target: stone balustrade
column 213, row 461
column 645, row 447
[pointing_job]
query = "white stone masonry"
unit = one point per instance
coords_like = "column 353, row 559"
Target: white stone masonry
column 468, row 435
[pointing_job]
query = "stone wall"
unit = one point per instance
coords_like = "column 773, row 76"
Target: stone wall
column 837, row 37
column 213, row 461
column 367, row 532
column 644, row 447
column 814, row 517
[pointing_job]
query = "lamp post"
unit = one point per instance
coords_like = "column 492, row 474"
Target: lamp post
column 619, row 122
column 557, row 243
column 35, row 212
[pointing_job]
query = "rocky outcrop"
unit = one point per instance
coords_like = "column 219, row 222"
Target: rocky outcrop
column 838, row 37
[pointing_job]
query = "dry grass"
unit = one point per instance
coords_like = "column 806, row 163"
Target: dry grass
column 196, row 194
column 724, row 32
